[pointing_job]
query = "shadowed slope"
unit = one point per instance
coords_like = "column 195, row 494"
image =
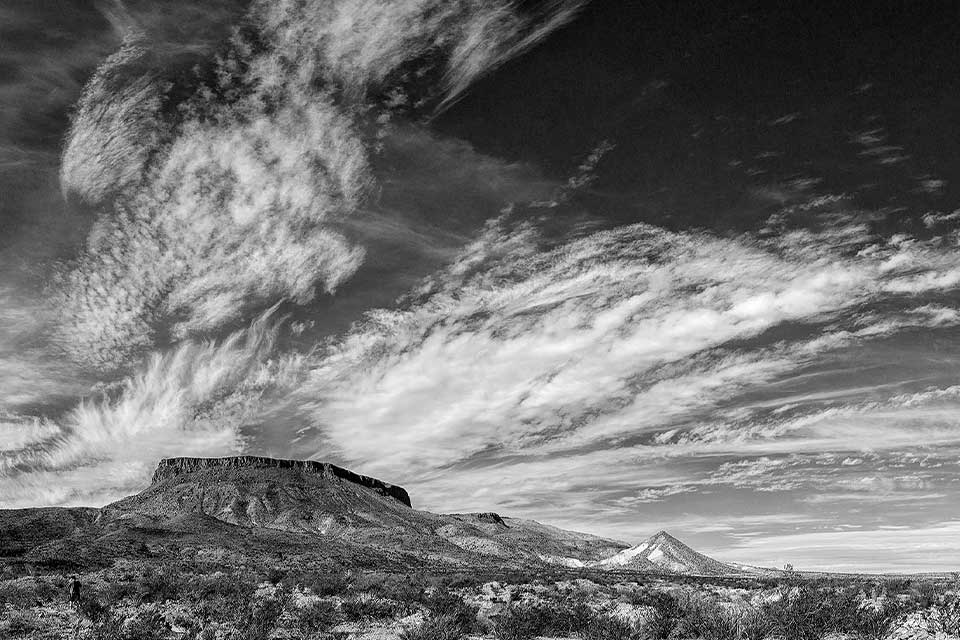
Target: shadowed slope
column 23, row 529
column 296, row 496
column 248, row 505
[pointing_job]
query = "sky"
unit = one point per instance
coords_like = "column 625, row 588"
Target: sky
column 617, row 267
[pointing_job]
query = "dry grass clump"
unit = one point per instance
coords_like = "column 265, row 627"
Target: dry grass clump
column 435, row 628
column 564, row 618
column 608, row 627
column 709, row 619
column 20, row 624
column 315, row 618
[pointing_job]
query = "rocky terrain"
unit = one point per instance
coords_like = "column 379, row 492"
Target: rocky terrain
column 249, row 506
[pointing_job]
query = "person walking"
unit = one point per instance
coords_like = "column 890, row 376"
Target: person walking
column 75, row 592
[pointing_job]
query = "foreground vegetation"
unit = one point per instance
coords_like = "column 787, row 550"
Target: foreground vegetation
column 138, row 601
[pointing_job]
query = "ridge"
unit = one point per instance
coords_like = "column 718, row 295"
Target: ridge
column 173, row 467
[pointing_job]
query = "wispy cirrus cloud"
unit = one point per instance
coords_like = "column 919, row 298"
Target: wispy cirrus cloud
column 234, row 210
column 622, row 371
column 232, row 198
column 29, row 377
column 195, row 399
column 563, row 347
column 223, row 192
column 361, row 43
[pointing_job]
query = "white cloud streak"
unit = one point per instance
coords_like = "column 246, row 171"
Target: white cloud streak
column 611, row 336
column 193, row 399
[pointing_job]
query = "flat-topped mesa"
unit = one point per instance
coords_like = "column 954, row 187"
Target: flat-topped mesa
column 172, row 467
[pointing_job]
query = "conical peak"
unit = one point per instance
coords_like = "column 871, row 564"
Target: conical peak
column 663, row 536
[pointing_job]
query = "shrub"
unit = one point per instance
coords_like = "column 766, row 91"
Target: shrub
column 875, row 620
column 897, row 585
column 572, row 617
column 276, row 574
column 119, row 590
column 316, row 617
column 328, row 583
column 371, row 581
column 526, row 621
column 19, row 595
column 924, row 594
column 517, row 623
column 220, row 597
column 754, row 625
column 607, row 627
column 146, row 624
column 93, row 610
column 21, row 623
column 945, row 615
column 435, row 628
column 209, row 632
column 799, row 614
column 104, row 625
column 402, row 588
column 29, row 592
column 358, row 609
column 808, row 613
column 160, row 585
column 664, row 615
column 263, row 615
column 444, row 604
column 708, row 619
column 462, row 581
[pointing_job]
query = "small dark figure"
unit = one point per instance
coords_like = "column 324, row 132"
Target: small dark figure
column 75, row 592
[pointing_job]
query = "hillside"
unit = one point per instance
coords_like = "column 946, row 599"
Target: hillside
column 239, row 507
column 664, row 553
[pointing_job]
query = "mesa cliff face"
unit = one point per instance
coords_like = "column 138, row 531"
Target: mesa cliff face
column 248, row 508
column 173, row 467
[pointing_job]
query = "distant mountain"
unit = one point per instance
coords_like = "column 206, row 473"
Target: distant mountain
column 663, row 552
column 236, row 508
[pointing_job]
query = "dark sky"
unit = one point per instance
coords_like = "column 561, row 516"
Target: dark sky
column 618, row 266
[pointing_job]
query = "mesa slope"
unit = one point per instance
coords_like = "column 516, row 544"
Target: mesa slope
column 238, row 508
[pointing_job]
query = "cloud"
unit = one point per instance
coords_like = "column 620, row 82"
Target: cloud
column 220, row 194
column 235, row 197
column 116, row 127
column 234, row 211
column 19, row 434
column 617, row 334
column 362, row 43
column 586, row 379
column 880, row 549
column 193, row 399
column 29, row 376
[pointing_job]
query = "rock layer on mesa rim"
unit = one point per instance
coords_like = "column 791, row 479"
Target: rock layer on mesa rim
column 173, row 467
